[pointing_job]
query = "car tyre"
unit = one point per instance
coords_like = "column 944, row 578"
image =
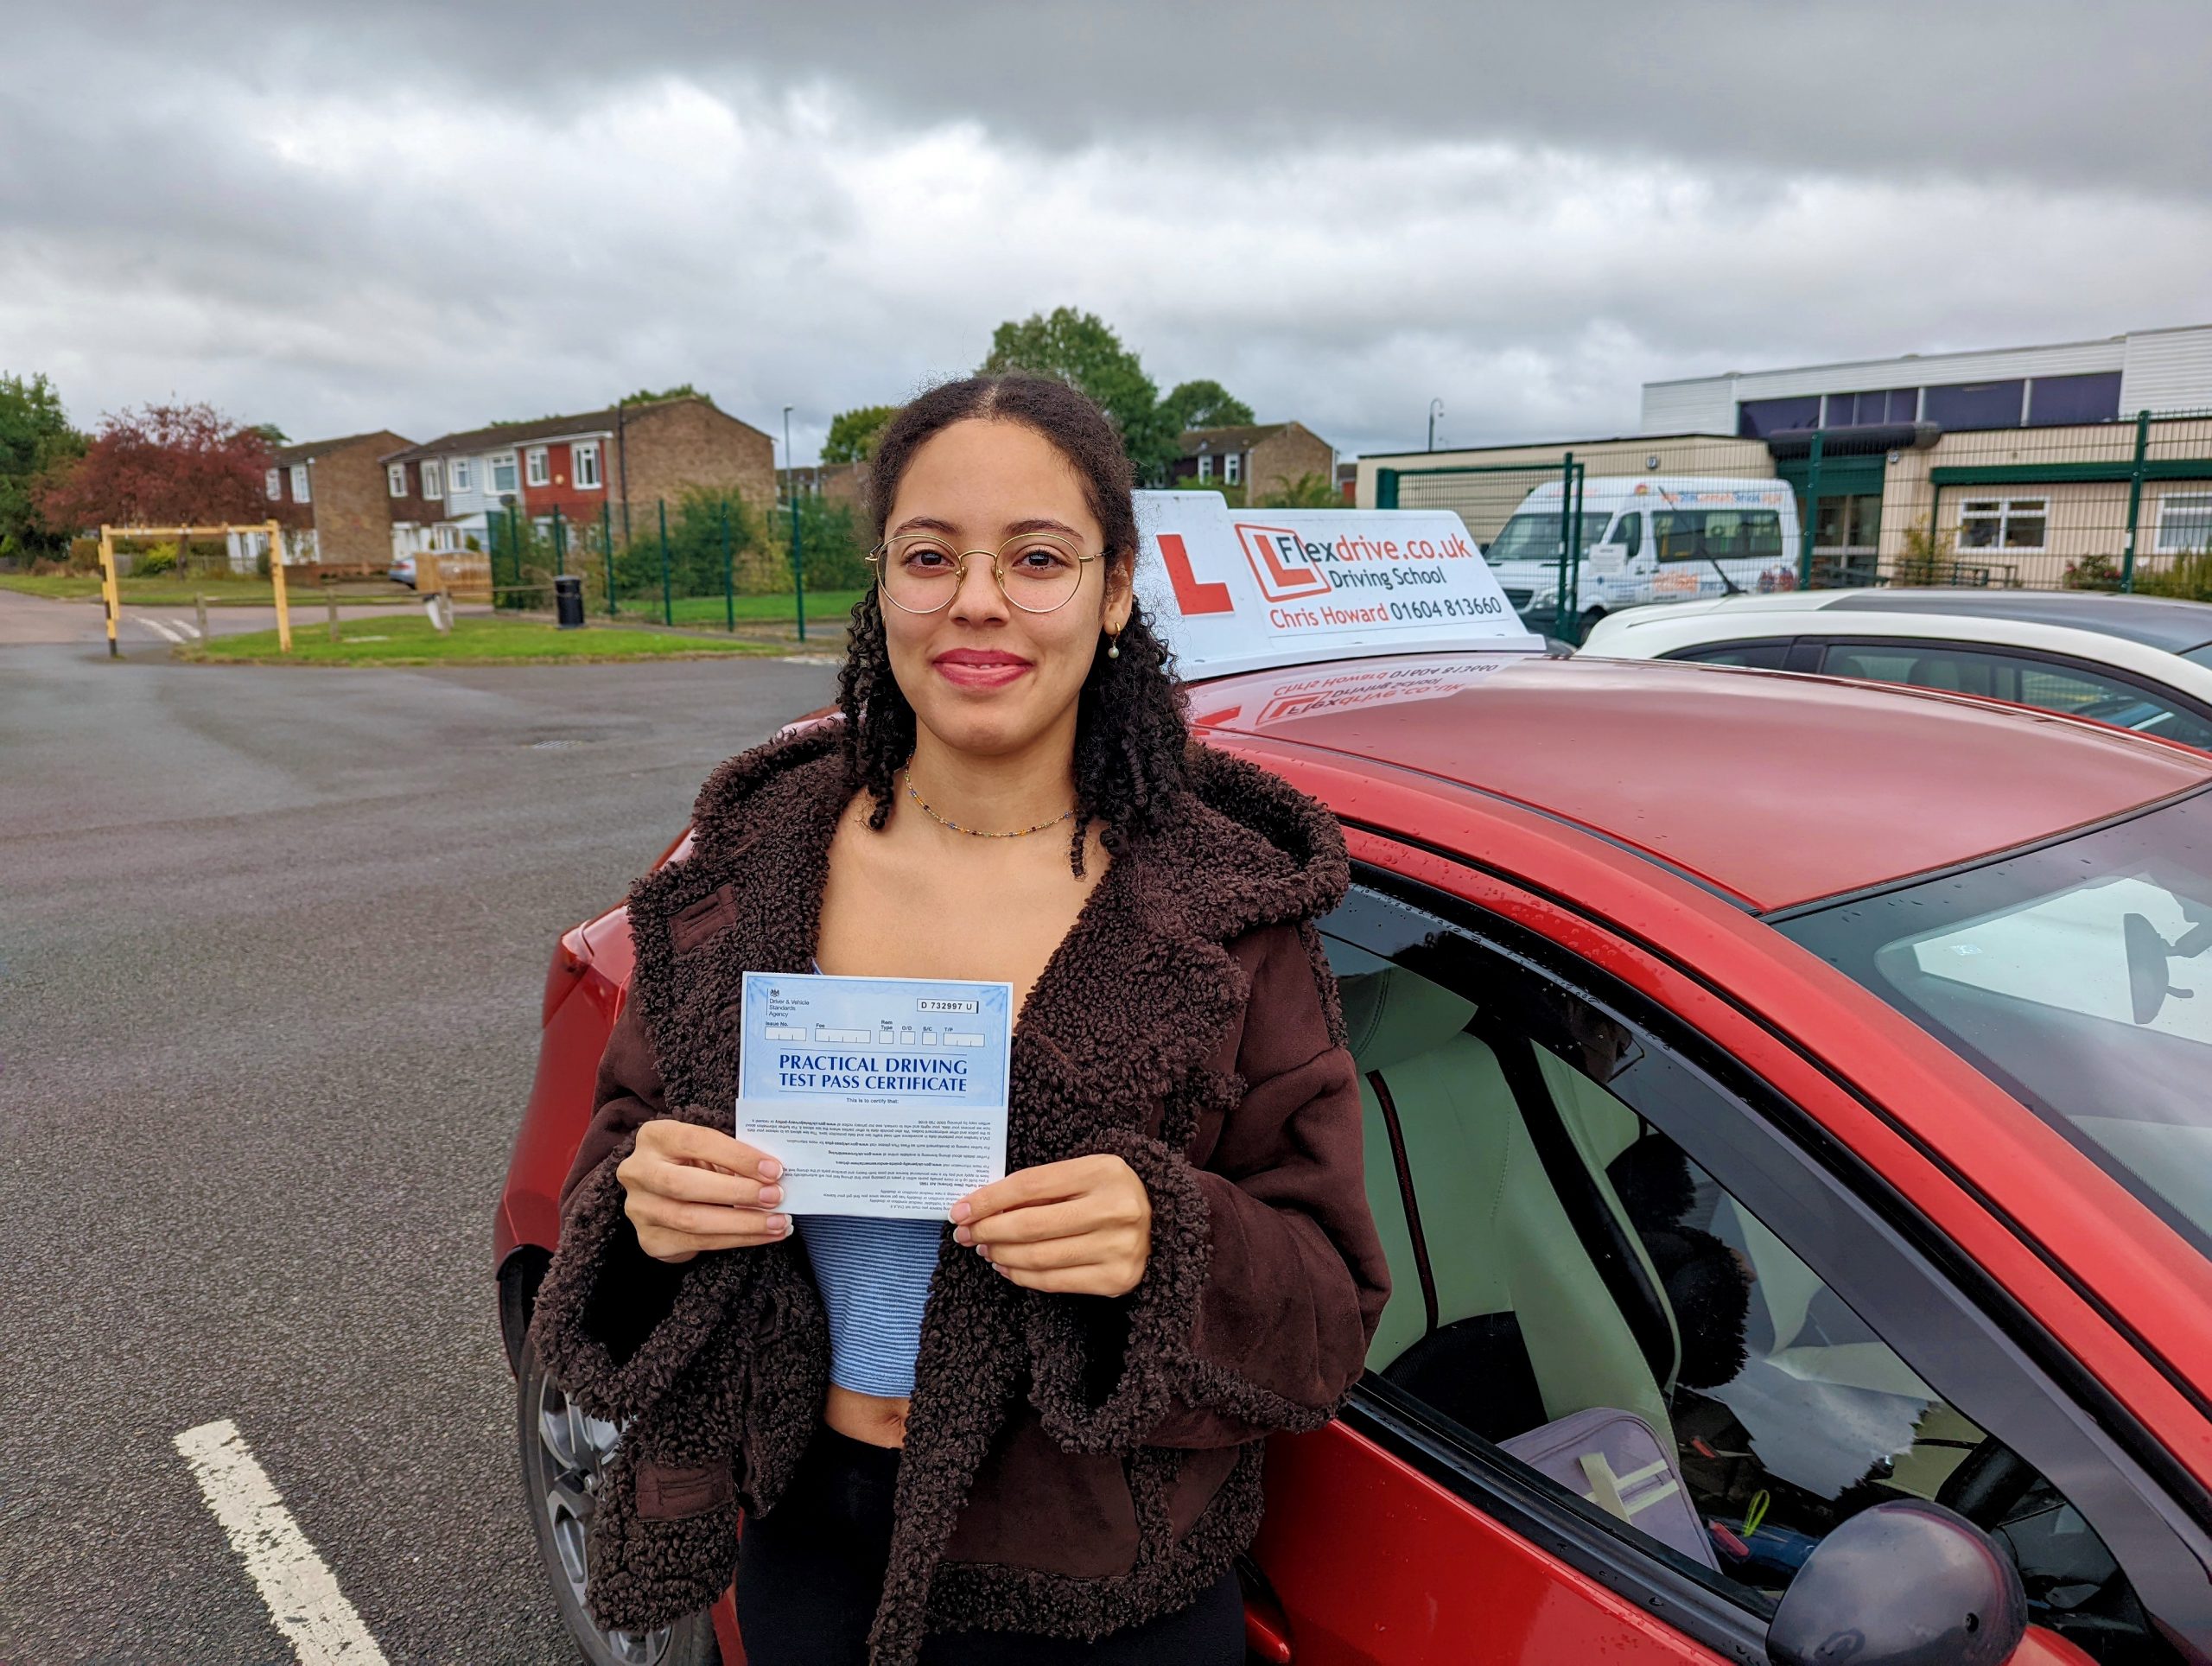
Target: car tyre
column 1590, row 617
column 563, row 1454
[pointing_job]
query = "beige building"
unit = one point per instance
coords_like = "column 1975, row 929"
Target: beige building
column 2028, row 466
column 1486, row 484
column 1256, row 461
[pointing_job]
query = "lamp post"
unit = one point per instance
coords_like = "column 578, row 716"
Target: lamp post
column 799, row 556
column 1435, row 410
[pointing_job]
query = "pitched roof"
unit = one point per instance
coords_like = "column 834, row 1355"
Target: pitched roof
column 507, row 433
column 307, row 450
column 1193, row 439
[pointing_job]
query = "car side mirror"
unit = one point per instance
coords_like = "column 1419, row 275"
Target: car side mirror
column 1903, row 1584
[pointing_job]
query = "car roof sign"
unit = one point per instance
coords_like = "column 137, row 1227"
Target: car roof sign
column 1248, row 590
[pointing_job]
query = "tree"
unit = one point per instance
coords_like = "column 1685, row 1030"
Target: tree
column 272, row 433
column 853, row 434
column 1080, row 348
column 1308, row 491
column 163, row 466
column 646, row 396
column 1204, row 404
column 35, row 440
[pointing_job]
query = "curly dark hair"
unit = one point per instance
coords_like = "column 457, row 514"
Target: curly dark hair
column 1131, row 732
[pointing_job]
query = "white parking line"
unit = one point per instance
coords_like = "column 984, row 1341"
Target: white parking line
column 157, row 628
column 301, row 1593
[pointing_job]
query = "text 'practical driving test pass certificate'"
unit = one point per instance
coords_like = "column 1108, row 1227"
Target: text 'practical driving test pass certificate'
column 880, row 1096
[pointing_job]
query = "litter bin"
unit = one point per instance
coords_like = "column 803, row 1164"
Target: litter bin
column 569, row 602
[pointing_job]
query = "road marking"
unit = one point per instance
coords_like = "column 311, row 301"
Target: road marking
column 186, row 626
column 300, row 1594
column 157, row 628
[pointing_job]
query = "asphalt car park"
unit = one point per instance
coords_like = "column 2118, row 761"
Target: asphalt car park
column 1784, row 1118
column 269, row 970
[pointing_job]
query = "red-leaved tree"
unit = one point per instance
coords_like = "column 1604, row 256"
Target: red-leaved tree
column 163, row 466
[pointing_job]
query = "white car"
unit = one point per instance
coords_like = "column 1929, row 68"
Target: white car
column 401, row 571
column 2141, row 663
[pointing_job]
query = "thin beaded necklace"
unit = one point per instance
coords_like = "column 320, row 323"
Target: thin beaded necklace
column 971, row 832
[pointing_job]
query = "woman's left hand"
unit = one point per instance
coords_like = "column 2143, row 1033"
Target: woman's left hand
column 1081, row 1227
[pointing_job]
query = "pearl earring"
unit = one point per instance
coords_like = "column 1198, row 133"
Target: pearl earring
column 1113, row 645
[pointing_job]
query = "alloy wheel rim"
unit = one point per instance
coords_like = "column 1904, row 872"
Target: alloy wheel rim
column 570, row 1456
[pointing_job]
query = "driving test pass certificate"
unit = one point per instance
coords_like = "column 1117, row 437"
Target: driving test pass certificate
column 880, row 1096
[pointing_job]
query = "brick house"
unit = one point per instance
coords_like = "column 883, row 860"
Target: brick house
column 329, row 497
column 1255, row 460
column 837, row 482
column 620, row 463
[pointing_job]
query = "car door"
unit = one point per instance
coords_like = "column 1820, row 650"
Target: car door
column 1647, row 1345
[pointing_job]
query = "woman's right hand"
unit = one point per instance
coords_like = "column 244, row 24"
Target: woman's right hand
column 689, row 1188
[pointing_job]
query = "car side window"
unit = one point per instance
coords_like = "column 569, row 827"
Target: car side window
column 2025, row 680
column 1628, row 532
column 1570, row 1286
column 1759, row 656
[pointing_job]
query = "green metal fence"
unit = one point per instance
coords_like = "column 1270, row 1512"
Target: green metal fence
column 709, row 561
column 1538, row 506
column 2122, row 505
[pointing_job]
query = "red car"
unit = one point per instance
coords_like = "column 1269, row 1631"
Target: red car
column 1785, row 1097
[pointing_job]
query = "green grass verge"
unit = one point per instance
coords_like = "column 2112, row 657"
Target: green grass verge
column 163, row 591
column 474, row 641
column 830, row 606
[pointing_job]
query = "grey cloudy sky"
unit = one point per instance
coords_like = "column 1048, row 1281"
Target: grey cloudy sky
column 427, row 217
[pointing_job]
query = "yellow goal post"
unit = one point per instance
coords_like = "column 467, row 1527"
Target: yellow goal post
column 111, row 592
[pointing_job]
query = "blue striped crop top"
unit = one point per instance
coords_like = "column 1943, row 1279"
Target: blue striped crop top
column 874, row 1278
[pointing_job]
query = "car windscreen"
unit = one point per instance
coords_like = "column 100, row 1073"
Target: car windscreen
column 2078, row 976
column 1534, row 536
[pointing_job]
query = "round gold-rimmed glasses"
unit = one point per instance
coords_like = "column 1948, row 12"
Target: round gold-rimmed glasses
column 1037, row 572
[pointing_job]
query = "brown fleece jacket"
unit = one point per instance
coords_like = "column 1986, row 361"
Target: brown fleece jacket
column 1073, row 1465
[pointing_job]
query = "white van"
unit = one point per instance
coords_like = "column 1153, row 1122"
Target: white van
column 1647, row 537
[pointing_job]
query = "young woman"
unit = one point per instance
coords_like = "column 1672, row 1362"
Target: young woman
column 1032, row 1432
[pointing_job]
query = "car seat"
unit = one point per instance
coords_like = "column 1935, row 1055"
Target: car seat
column 1526, row 1329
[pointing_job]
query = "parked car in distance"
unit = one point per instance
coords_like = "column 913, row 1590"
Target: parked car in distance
column 401, row 571
column 2140, row 663
column 1791, row 1151
column 1646, row 538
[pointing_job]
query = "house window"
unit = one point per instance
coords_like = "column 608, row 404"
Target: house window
column 2014, row 523
column 395, row 475
column 274, row 484
column 587, row 461
column 434, row 486
column 2184, row 523
column 1229, row 467
column 503, row 471
column 1205, row 467
column 461, row 474
column 299, row 483
column 539, row 472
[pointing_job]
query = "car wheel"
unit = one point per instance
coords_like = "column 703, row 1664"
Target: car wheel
column 1590, row 617
column 563, row 1454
